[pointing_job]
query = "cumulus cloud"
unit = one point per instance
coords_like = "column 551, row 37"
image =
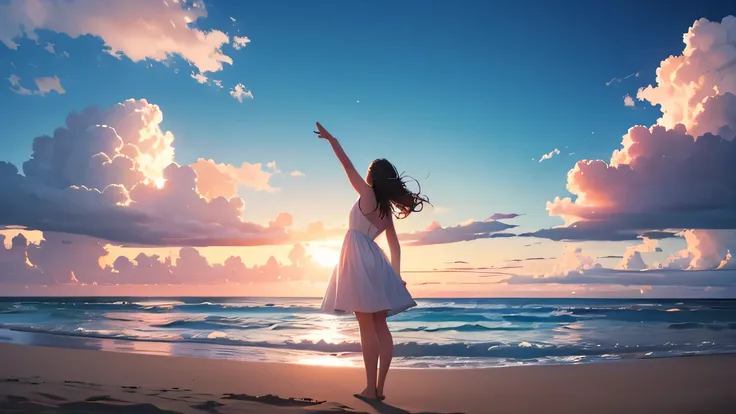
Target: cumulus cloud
column 633, row 259
column 677, row 174
column 50, row 48
column 705, row 69
column 706, row 250
column 44, row 85
column 297, row 173
column 470, row 230
column 549, row 155
column 573, row 261
column 222, row 180
column 75, row 260
column 137, row 29
column 629, row 101
column 239, row 92
column 111, row 174
column 240, row 42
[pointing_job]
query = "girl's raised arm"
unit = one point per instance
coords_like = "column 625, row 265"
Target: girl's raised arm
column 358, row 183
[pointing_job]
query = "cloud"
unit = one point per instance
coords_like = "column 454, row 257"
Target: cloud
column 613, row 229
column 549, row 155
column 660, row 277
column 632, row 259
column 75, row 260
column 297, row 173
column 531, row 259
column 629, row 101
column 705, row 69
column 471, row 230
column 50, row 48
column 137, row 29
column 239, row 93
column 677, row 174
column 111, row 174
column 48, row 84
column 619, row 80
column 240, row 42
column 222, row 180
column 44, row 85
column 706, row 250
column 199, row 77
column 573, row 261
column 504, row 216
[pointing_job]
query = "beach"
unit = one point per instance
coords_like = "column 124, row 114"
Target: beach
column 48, row 379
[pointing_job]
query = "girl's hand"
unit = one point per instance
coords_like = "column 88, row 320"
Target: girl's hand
column 322, row 132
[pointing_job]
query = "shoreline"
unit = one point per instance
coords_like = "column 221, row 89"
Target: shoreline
column 276, row 355
column 672, row 385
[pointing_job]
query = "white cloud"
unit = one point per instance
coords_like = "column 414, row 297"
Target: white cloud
column 549, row 155
column 629, row 101
column 240, row 42
column 199, row 77
column 44, row 86
column 297, row 173
column 138, row 29
column 239, row 92
column 217, row 83
column 50, row 48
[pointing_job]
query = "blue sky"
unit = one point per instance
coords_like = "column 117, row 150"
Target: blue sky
column 464, row 96
column 465, row 92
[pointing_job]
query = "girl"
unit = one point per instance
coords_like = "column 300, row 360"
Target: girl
column 364, row 282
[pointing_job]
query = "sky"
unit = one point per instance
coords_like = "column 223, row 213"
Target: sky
column 165, row 147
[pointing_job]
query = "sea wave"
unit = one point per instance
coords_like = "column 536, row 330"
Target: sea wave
column 508, row 350
column 698, row 325
column 466, row 328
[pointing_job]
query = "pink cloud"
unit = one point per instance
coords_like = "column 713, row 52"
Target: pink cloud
column 137, row 29
column 677, row 174
column 705, row 69
column 222, row 180
column 111, row 174
column 63, row 259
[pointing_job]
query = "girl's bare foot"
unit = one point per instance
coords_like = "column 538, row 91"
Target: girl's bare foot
column 367, row 394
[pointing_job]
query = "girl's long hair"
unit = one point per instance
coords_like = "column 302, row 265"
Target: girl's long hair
column 391, row 193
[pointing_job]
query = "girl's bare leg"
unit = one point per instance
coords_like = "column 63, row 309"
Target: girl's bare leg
column 385, row 348
column 369, row 347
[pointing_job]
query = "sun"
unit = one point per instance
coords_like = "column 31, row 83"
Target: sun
column 323, row 255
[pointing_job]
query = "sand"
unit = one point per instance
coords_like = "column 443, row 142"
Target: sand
column 45, row 379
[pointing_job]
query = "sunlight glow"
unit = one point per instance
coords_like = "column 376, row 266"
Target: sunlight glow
column 323, row 255
column 328, row 361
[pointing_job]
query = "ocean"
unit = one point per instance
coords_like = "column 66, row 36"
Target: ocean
column 438, row 333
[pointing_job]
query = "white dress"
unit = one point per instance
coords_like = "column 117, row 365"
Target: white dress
column 364, row 280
